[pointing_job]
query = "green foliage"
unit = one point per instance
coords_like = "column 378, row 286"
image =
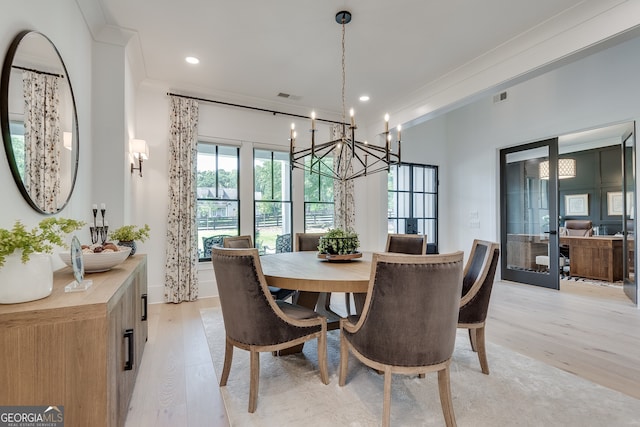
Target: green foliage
column 338, row 241
column 130, row 232
column 42, row 238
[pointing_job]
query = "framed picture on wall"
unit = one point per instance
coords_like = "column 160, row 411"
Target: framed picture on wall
column 614, row 203
column 576, row 204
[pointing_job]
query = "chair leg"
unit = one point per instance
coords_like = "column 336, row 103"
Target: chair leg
column 386, row 406
column 344, row 360
column 226, row 367
column 322, row 356
column 472, row 338
column 482, row 350
column 444, row 388
column 254, row 380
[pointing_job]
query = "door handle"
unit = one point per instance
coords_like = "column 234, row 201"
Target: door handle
column 552, row 232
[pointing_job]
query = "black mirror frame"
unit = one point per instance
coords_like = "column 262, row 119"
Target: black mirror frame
column 4, row 121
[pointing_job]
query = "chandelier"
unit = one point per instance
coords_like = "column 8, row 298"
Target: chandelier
column 344, row 158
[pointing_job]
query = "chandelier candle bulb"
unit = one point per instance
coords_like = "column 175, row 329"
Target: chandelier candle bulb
column 353, row 119
column 399, row 132
column 313, row 120
column 386, row 123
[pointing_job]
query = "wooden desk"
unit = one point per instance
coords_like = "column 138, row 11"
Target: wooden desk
column 522, row 250
column 596, row 257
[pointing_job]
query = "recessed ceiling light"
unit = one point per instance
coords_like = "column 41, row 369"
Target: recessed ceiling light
column 192, row 60
column 364, row 98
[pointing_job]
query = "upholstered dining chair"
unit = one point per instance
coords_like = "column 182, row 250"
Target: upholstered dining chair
column 255, row 321
column 408, row 324
column 412, row 244
column 479, row 273
column 306, row 241
column 246, row 242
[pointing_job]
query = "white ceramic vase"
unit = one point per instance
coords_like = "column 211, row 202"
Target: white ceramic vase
column 25, row 282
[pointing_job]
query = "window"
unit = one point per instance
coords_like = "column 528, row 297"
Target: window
column 318, row 199
column 413, row 201
column 272, row 195
column 17, row 144
column 217, row 196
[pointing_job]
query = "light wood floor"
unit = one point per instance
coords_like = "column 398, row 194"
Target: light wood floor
column 591, row 332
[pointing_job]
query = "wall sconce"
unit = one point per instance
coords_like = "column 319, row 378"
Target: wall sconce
column 140, row 151
column 67, row 140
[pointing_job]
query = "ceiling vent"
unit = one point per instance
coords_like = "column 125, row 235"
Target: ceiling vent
column 289, row 96
column 502, row 96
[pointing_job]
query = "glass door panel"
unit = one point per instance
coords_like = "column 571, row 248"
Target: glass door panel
column 529, row 218
column 628, row 226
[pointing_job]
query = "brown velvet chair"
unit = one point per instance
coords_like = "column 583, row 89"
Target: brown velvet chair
column 246, row 242
column 255, row 321
column 307, row 241
column 479, row 273
column 412, row 244
column 408, row 325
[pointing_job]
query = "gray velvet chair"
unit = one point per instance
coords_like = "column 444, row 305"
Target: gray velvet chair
column 479, row 273
column 255, row 321
column 246, row 242
column 412, row 244
column 408, row 324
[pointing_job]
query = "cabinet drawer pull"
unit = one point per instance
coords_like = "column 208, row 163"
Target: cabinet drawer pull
column 144, row 307
column 128, row 335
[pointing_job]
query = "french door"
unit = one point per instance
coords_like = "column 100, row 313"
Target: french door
column 628, row 227
column 529, row 214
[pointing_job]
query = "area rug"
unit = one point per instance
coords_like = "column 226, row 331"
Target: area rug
column 519, row 392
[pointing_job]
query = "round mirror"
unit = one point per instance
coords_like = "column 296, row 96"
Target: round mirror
column 39, row 122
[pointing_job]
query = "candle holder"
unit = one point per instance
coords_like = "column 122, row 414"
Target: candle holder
column 103, row 233
column 94, row 234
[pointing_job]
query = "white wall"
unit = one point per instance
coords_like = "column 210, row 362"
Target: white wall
column 598, row 90
column 62, row 22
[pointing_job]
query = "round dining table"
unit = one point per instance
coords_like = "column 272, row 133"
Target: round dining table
column 304, row 271
column 315, row 279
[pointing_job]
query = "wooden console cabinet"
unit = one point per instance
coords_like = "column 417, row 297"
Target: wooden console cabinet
column 80, row 350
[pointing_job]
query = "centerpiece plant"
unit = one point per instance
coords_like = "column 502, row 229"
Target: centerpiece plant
column 339, row 242
column 41, row 239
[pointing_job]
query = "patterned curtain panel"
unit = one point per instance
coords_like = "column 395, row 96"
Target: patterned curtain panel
column 181, row 275
column 42, row 139
column 343, row 202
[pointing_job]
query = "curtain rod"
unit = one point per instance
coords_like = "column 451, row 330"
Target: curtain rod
column 248, row 107
column 37, row 71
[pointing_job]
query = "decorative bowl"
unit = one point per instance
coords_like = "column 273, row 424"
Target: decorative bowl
column 97, row 262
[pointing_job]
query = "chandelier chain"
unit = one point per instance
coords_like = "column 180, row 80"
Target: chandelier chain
column 344, row 114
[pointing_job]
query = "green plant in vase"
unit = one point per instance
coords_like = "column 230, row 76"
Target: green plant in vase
column 26, row 272
column 339, row 242
column 127, row 235
column 41, row 239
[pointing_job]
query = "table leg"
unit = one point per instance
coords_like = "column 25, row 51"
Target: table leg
column 308, row 300
column 359, row 300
